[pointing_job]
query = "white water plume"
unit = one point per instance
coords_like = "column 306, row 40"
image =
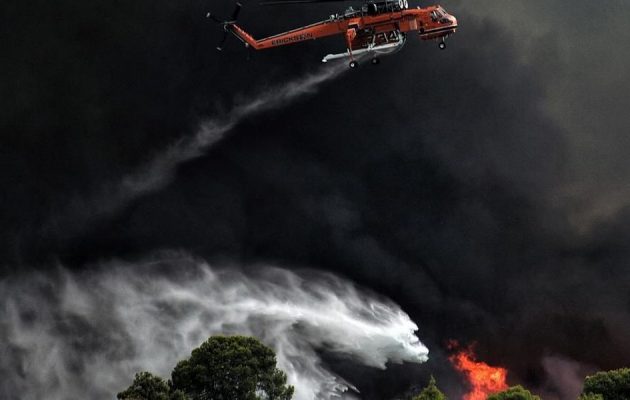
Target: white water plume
column 159, row 170
column 83, row 335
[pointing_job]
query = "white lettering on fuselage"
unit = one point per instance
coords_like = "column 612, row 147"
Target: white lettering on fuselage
column 291, row 39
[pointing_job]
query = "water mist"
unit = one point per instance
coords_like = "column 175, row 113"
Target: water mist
column 159, row 170
column 72, row 335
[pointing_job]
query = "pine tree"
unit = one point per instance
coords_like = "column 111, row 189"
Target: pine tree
column 232, row 367
column 611, row 385
column 514, row 393
column 431, row 392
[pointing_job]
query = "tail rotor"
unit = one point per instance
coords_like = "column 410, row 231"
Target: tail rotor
column 227, row 25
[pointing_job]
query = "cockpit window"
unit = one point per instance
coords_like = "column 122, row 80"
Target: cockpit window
column 437, row 14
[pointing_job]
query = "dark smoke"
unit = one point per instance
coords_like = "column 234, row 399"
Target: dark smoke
column 481, row 188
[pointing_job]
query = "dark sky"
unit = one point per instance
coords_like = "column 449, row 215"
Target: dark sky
column 483, row 188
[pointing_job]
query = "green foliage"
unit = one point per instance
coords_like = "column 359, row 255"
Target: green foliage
column 177, row 395
column 431, row 392
column 146, row 386
column 612, row 385
column 591, row 396
column 232, row 367
column 514, row 393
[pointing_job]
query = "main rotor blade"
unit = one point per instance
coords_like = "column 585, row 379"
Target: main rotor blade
column 281, row 2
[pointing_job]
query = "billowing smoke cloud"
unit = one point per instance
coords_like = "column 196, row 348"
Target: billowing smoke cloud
column 73, row 336
column 463, row 184
column 158, row 172
column 565, row 377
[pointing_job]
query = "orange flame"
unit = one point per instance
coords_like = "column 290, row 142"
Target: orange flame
column 484, row 380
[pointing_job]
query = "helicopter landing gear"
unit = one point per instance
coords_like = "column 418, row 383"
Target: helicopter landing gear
column 376, row 61
column 353, row 64
column 442, row 45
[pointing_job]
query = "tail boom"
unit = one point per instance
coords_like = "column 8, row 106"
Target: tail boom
column 311, row 32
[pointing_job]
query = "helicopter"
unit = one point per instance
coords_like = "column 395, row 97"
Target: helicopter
column 376, row 28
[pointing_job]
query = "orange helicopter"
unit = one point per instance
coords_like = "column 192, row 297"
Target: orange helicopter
column 376, row 28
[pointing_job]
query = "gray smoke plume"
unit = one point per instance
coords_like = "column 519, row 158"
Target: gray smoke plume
column 67, row 335
column 158, row 172
column 565, row 378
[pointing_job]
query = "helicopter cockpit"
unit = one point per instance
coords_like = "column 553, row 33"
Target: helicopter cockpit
column 440, row 15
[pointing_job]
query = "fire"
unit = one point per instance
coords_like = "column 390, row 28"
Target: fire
column 484, row 379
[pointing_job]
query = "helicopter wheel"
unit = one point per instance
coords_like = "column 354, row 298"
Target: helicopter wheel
column 353, row 64
column 442, row 45
column 376, row 61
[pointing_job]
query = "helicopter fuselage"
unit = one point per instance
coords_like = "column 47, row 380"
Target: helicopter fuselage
column 374, row 28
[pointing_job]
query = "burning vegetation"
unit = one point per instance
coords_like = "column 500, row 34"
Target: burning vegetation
column 483, row 379
column 203, row 375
